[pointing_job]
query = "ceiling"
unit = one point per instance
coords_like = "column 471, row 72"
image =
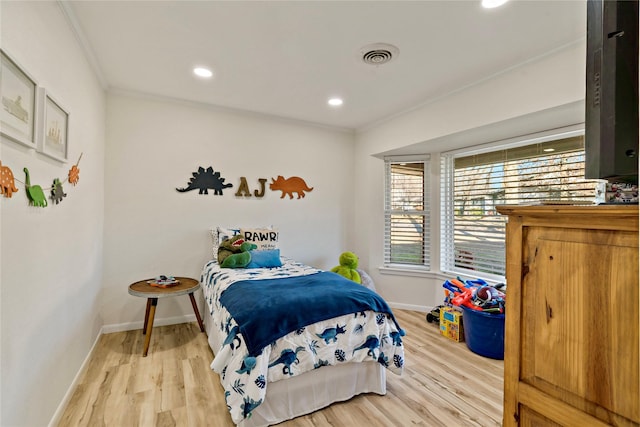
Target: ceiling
column 287, row 58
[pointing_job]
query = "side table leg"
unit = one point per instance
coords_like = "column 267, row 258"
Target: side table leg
column 149, row 322
column 195, row 310
column 146, row 316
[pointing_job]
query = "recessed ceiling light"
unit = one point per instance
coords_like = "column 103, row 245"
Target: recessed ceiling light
column 335, row 102
column 202, row 72
column 490, row 4
column 548, row 150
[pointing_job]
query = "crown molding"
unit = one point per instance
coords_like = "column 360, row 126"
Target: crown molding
column 76, row 28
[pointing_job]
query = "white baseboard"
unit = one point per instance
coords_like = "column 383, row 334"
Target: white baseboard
column 107, row 329
column 422, row 308
column 55, row 420
column 130, row 326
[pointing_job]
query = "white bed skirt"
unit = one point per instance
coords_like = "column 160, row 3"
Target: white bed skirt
column 306, row 393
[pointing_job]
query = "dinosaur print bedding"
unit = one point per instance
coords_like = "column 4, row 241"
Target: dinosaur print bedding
column 359, row 336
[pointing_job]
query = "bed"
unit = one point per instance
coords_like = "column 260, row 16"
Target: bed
column 281, row 348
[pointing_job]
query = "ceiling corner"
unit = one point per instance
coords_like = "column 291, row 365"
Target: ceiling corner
column 76, row 28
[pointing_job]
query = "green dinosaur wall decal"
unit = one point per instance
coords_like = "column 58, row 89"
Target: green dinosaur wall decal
column 34, row 192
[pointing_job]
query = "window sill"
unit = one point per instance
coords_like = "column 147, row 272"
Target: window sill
column 404, row 270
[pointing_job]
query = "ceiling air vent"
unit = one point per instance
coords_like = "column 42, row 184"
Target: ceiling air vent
column 378, row 53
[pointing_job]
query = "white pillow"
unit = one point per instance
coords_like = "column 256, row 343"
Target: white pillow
column 264, row 238
column 220, row 234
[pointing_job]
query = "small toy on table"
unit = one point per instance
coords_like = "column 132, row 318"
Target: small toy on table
column 163, row 281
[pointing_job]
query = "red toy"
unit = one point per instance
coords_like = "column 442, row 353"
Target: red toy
column 473, row 294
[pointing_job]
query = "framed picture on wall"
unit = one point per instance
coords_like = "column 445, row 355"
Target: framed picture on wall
column 19, row 109
column 53, row 140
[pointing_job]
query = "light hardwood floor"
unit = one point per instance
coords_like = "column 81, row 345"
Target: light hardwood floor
column 444, row 384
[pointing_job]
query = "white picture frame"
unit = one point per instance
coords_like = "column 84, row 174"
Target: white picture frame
column 53, row 135
column 18, row 103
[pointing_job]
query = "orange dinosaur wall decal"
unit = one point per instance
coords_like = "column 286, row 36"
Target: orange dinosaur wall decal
column 7, row 182
column 74, row 175
column 74, row 172
column 289, row 186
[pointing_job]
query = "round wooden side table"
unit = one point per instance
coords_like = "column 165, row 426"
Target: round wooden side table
column 143, row 289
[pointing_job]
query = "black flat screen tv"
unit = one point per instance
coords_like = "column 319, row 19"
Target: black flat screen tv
column 611, row 102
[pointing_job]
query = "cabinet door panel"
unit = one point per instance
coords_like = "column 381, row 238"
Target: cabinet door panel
column 579, row 318
column 531, row 418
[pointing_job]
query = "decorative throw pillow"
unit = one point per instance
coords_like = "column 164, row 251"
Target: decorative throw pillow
column 219, row 234
column 268, row 258
column 263, row 238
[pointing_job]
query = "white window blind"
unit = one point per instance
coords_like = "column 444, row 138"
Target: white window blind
column 473, row 233
column 406, row 231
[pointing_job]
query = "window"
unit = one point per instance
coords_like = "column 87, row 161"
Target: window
column 406, row 231
column 473, row 233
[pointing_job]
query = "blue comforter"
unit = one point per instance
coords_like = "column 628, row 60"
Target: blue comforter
column 266, row 310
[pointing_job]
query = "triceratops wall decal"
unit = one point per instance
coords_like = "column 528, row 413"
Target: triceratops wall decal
column 288, row 186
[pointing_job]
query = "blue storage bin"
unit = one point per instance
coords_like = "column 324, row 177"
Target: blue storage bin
column 484, row 333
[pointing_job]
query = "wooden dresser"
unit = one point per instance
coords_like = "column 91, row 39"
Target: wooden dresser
column 571, row 328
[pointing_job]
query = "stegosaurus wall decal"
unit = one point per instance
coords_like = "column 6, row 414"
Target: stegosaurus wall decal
column 204, row 180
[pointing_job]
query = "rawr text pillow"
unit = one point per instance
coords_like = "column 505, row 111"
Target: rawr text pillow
column 264, row 238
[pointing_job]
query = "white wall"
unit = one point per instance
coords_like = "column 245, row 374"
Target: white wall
column 56, row 295
column 549, row 82
column 154, row 145
column 58, row 284
column 51, row 265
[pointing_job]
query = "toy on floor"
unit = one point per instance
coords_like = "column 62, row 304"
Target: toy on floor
column 475, row 294
column 460, row 293
column 434, row 315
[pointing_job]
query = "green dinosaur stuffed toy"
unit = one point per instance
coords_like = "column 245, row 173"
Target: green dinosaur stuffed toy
column 348, row 266
column 234, row 252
